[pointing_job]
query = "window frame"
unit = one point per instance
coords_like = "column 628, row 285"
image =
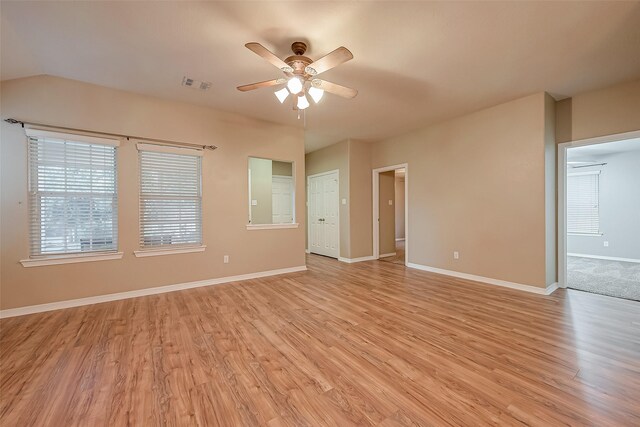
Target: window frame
column 171, row 248
column 598, row 233
column 34, row 219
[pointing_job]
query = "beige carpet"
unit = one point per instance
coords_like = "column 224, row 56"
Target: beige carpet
column 613, row 278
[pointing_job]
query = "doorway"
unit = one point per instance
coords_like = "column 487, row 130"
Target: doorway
column 324, row 215
column 390, row 214
column 599, row 207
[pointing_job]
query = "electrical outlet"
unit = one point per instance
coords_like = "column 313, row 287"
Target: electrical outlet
column 344, row 201
column 390, row 202
column 254, row 203
column 606, row 244
column 456, row 255
column 226, row 259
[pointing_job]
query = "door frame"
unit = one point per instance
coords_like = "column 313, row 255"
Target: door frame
column 337, row 172
column 376, row 208
column 562, row 193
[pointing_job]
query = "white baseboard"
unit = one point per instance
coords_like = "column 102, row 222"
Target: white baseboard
column 21, row 311
column 528, row 288
column 307, row 251
column 400, row 239
column 386, row 255
column 608, row 258
column 551, row 288
column 352, row 260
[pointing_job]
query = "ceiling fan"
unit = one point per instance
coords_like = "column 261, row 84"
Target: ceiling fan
column 301, row 74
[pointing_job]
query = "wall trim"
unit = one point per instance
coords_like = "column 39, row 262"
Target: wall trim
column 386, row 255
column 31, row 309
column 168, row 251
column 354, row 260
column 271, row 226
column 608, row 258
column 527, row 288
column 562, row 193
column 375, row 186
column 70, row 258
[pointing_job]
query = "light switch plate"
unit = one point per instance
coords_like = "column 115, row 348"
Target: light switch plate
column 344, row 201
column 226, row 259
column 254, row 203
column 456, row 255
column 390, row 202
column 606, row 244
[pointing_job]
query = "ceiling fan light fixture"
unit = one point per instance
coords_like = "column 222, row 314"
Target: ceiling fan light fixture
column 294, row 85
column 282, row 94
column 303, row 103
column 300, row 75
column 316, row 94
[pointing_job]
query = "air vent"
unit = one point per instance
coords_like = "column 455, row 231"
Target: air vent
column 195, row 84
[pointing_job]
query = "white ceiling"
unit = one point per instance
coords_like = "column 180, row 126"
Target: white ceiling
column 605, row 149
column 415, row 63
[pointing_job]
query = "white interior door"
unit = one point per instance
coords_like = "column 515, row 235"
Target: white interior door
column 282, row 199
column 324, row 219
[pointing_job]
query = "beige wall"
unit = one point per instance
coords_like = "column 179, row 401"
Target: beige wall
column 550, row 190
column 477, row 186
column 282, row 168
column 361, row 201
column 608, row 111
column 399, row 207
column 73, row 104
column 387, row 213
column 261, row 191
column 330, row 158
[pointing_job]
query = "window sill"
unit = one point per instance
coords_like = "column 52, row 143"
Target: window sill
column 70, row 259
column 585, row 234
column 270, row 226
column 168, row 251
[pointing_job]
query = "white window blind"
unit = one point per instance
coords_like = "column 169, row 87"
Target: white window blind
column 73, row 201
column 583, row 199
column 170, row 196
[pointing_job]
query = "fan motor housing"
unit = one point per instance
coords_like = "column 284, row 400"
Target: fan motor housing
column 298, row 61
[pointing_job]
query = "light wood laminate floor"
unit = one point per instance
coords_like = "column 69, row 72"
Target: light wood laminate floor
column 398, row 258
column 372, row 343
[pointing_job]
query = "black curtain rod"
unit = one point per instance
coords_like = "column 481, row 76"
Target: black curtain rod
column 128, row 137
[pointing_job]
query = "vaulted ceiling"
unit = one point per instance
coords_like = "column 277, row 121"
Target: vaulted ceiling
column 415, row 63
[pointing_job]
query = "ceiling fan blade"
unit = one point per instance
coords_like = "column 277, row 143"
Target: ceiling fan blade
column 343, row 91
column 258, row 85
column 331, row 60
column 257, row 48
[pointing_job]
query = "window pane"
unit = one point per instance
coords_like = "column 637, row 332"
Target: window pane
column 73, row 196
column 170, row 199
column 583, row 203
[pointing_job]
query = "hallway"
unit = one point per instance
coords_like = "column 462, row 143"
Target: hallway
column 398, row 258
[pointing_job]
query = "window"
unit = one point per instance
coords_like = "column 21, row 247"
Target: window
column 73, row 200
column 583, row 199
column 170, row 196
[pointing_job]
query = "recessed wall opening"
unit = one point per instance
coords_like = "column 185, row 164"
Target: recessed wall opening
column 602, row 217
column 390, row 201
